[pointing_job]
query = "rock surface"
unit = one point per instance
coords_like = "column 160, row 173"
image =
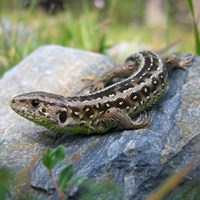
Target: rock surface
column 52, row 69
column 138, row 159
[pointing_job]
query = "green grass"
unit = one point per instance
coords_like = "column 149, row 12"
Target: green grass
column 196, row 31
column 84, row 31
column 6, row 176
column 84, row 28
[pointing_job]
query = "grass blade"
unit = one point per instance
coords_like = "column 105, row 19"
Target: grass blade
column 196, row 31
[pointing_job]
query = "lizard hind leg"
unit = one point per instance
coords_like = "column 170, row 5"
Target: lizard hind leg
column 121, row 120
column 174, row 61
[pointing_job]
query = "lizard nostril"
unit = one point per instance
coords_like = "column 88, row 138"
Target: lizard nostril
column 12, row 103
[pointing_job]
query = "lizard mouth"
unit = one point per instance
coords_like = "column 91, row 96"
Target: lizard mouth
column 23, row 111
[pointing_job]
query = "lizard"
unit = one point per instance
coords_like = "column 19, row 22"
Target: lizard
column 118, row 106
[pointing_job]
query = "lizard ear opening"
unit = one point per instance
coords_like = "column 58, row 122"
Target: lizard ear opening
column 63, row 116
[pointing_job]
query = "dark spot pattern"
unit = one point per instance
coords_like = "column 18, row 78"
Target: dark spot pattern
column 162, row 75
column 88, row 111
column 145, row 91
column 147, row 84
column 125, row 85
column 147, row 75
column 104, row 106
column 147, row 59
column 121, row 103
column 135, row 97
column 44, row 110
column 155, row 81
column 155, row 64
column 75, row 112
column 151, row 61
column 63, row 116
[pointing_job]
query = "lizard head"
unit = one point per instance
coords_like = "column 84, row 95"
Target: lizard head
column 46, row 109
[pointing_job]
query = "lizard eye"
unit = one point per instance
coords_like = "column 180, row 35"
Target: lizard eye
column 35, row 103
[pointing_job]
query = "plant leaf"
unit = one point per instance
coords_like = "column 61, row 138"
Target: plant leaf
column 65, row 176
column 51, row 158
column 196, row 31
column 46, row 159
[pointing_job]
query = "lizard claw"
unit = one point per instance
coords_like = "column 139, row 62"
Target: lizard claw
column 143, row 119
column 184, row 62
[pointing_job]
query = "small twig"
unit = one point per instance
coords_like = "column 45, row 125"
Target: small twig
column 60, row 194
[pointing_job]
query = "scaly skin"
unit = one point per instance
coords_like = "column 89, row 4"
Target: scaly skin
column 107, row 107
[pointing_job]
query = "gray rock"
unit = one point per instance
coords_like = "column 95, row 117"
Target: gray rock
column 52, row 69
column 138, row 159
column 120, row 51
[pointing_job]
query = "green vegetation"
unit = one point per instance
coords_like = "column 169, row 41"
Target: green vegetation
column 6, row 176
column 86, row 27
column 185, row 191
column 90, row 190
column 169, row 189
column 83, row 26
column 196, row 31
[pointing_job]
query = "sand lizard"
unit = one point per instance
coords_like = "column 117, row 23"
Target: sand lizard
column 107, row 107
